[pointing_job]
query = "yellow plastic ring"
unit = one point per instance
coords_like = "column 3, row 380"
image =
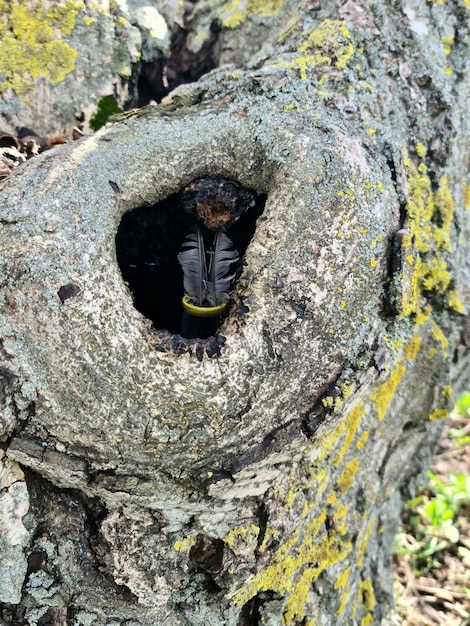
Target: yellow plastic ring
column 202, row 311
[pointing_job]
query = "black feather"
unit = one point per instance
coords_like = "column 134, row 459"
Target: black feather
column 207, row 274
column 222, row 258
column 193, row 261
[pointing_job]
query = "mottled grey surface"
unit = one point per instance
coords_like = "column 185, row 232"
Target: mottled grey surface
column 108, row 40
column 172, row 490
column 306, row 246
column 14, row 537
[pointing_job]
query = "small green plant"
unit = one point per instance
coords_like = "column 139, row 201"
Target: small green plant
column 107, row 106
column 433, row 521
column 460, row 434
column 463, row 404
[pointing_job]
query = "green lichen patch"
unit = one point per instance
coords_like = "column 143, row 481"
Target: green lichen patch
column 30, row 43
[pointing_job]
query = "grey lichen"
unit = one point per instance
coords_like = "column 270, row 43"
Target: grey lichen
column 14, row 536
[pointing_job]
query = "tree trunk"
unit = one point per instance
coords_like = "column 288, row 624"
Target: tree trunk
column 254, row 475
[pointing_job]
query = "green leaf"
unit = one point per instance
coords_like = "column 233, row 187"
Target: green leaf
column 431, row 547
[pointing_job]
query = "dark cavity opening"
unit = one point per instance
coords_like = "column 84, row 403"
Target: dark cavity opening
column 153, row 80
column 150, row 238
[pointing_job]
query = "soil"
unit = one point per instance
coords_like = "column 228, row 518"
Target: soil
column 441, row 595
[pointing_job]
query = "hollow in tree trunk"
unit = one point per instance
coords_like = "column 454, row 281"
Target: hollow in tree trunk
column 252, row 473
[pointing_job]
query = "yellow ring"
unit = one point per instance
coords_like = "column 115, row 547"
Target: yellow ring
column 202, row 311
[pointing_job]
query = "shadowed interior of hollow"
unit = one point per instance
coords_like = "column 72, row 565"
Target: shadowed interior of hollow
column 149, row 239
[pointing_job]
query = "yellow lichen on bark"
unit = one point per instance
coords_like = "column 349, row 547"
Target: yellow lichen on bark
column 323, row 545
column 346, row 479
column 30, row 45
column 240, row 538
column 430, row 216
column 329, row 43
column 290, row 571
column 466, row 197
column 351, row 424
column 385, row 393
column 235, row 12
column 366, row 594
column 184, row 545
column 383, row 396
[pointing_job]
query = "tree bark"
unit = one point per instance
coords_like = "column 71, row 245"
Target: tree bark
column 255, row 476
column 58, row 60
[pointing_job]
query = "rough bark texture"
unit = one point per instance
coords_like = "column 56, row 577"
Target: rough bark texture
column 167, row 484
column 59, row 59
